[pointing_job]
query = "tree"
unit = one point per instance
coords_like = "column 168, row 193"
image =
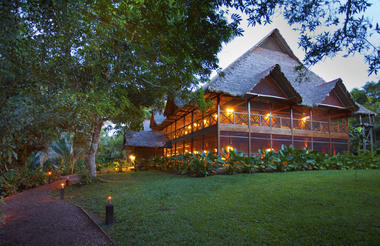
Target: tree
column 109, row 60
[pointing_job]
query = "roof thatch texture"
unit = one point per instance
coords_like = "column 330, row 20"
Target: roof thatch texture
column 364, row 111
column 243, row 74
column 144, row 139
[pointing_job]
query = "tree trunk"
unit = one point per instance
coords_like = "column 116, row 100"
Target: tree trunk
column 73, row 164
column 43, row 158
column 93, row 142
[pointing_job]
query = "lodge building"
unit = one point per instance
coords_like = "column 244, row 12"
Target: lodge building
column 261, row 101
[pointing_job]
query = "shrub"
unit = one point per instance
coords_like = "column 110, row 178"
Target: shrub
column 286, row 159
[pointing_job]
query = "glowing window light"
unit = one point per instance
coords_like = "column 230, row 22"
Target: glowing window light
column 205, row 122
column 230, row 110
column 215, row 116
column 195, row 124
column 189, row 127
column 268, row 115
column 196, row 152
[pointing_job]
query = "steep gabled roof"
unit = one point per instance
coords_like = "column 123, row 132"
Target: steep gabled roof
column 337, row 88
column 275, row 74
column 245, row 72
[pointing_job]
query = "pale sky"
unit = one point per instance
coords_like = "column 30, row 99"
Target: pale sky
column 352, row 70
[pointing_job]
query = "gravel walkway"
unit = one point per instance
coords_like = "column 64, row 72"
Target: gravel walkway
column 34, row 217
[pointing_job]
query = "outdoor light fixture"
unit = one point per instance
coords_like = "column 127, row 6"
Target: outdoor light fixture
column 189, row 127
column 215, row 116
column 230, row 110
column 268, row 149
column 62, row 191
column 268, row 115
column 229, row 148
column 109, row 211
column 49, row 176
column 132, row 158
column 305, row 118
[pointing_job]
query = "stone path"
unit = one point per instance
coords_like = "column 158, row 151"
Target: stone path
column 35, row 217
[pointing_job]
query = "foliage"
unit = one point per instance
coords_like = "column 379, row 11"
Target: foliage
column 369, row 97
column 85, row 177
column 286, row 159
column 15, row 181
column 333, row 207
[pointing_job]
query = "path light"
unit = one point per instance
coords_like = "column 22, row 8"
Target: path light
column 109, row 211
column 62, row 191
column 49, row 176
column 132, row 158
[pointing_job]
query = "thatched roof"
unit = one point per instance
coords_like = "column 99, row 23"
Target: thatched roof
column 144, row 139
column 363, row 111
column 272, row 52
column 271, row 57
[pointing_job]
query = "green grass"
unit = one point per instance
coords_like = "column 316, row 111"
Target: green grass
column 295, row 208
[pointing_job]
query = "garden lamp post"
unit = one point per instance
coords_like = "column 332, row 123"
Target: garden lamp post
column 109, row 211
column 62, row 191
column 132, row 158
column 49, row 176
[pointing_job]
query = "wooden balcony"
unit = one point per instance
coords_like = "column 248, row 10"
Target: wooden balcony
column 259, row 123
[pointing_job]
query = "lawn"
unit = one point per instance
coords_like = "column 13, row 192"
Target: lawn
column 294, row 208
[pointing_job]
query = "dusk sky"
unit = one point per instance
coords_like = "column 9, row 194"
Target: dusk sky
column 352, row 70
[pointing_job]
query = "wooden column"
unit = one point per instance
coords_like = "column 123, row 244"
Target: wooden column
column 291, row 123
column 249, row 127
column 330, row 144
column 192, row 130
column 174, row 137
column 203, row 136
column 270, row 125
column 218, row 124
column 184, row 125
column 311, row 128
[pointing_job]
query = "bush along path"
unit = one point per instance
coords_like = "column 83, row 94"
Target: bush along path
column 286, row 159
column 36, row 217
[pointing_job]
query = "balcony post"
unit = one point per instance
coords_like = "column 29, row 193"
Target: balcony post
column 218, row 124
column 270, row 125
column 192, row 130
column 291, row 124
column 311, row 129
column 249, row 127
column 330, row 144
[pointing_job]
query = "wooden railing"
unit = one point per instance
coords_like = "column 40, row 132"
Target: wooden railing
column 208, row 120
column 274, row 121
